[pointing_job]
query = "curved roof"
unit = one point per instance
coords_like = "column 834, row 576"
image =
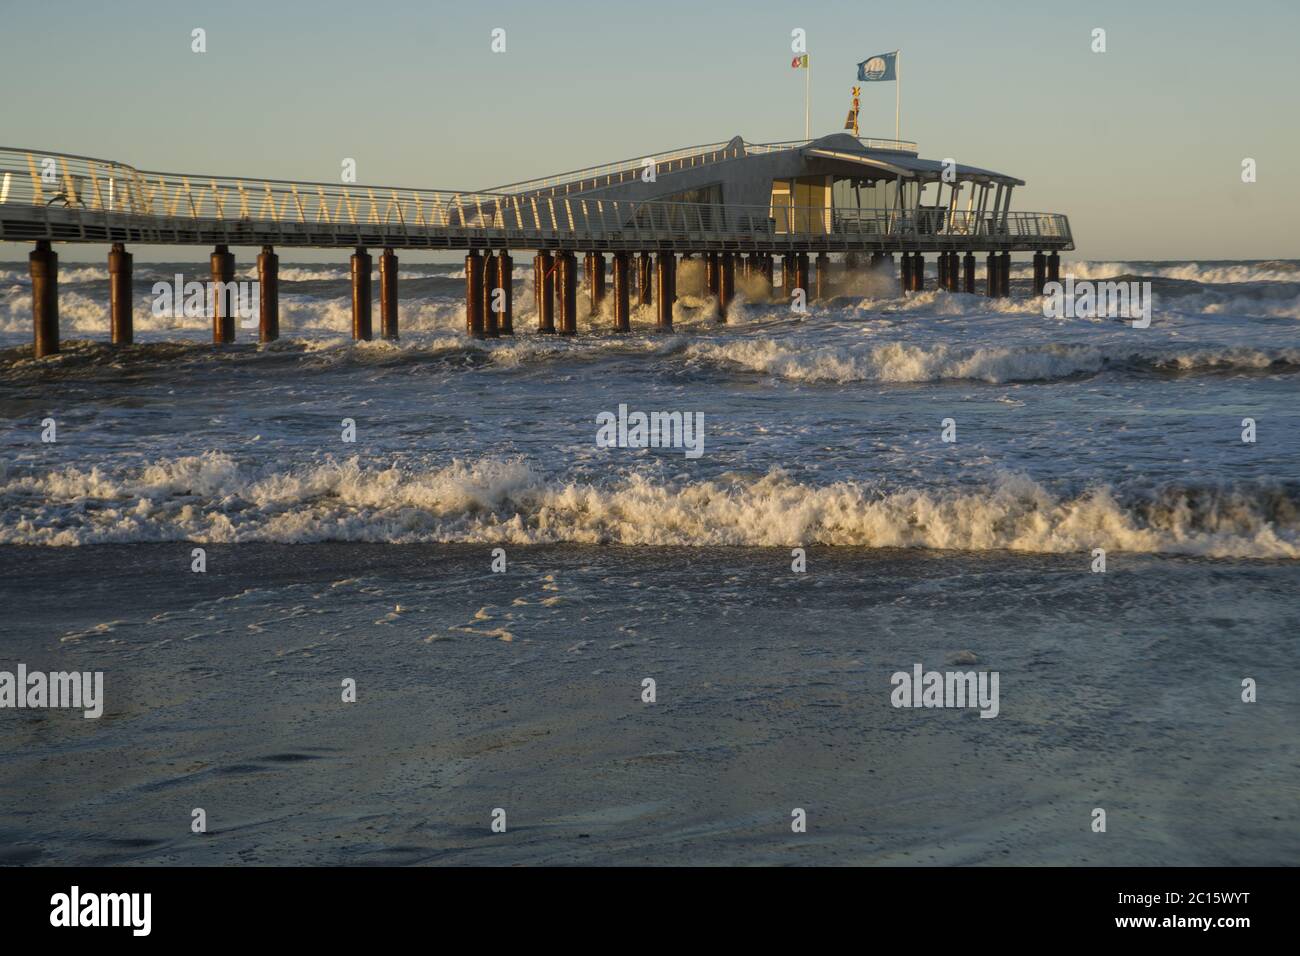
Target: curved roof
column 894, row 157
column 842, row 147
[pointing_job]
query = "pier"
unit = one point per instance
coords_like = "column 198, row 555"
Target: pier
column 736, row 205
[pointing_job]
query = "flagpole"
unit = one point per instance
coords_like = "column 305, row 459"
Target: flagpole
column 898, row 87
column 807, row 97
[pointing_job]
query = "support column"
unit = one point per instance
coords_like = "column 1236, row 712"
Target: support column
column 361, row 264
column 941, row 263
column 622, row 296
column 506, row 283
column 991, row 282
column 1040, row 272
column 566, row 287
column 711, row 273
column 787, row 275
column 268, row 295
column 726, row 283
column 823, row 282
column 388, row 295
column 490, row 328
column 673, row 266
column 918, row 272
column 905, row 278
column 666, row 288
column 474, row 294
column 43, row 263
column 544, row 291
column 1004, row 275
column 1054, row 267
column 595, row 268
column 768, row 266
column 644, row 279
column 121, row 318
column 968, row 266
column 223, row 273
column 801, row 278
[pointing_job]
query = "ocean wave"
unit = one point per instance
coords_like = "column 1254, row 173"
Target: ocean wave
column 68, row 273
column 88, row 315
column 212, row 498
column 1206, row 273
column 899, row 362
column 434, row 332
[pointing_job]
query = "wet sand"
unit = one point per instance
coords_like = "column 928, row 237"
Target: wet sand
column 523, row 691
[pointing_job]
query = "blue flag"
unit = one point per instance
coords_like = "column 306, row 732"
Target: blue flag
column 882, row 67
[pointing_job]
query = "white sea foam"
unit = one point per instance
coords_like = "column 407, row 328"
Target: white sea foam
column 904, row 362
column 1213, row 273
column 212, row 498
column 68, row 273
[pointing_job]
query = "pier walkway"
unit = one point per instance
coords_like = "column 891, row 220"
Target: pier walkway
column 50, row 197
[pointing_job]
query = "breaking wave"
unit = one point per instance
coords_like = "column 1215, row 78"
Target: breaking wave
column 1209, row 273
column 901, row 362
column 211, row 498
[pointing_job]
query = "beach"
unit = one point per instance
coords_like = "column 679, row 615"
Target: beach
column 521, row 688
column 523, row 691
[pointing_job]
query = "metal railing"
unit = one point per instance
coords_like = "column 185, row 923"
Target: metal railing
column 78, row 199
column 627, row 170
column 611, row 174
column 889, row 145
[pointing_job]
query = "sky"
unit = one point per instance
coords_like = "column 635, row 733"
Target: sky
column 1141, row 146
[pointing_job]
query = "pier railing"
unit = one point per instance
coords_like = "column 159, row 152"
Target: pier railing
column 80, row 199
column 612, row 174
column 886, row 145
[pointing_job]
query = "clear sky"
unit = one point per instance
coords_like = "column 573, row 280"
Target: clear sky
column 1141, row 145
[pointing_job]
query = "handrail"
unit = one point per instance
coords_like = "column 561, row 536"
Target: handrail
column 607, row 170
column 89, row 199
column 611, row 174
column 889, row 145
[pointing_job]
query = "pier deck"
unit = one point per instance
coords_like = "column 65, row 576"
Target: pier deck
column 64, row 198
column 737, row 205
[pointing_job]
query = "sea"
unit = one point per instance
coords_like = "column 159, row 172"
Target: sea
column 658, row 652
